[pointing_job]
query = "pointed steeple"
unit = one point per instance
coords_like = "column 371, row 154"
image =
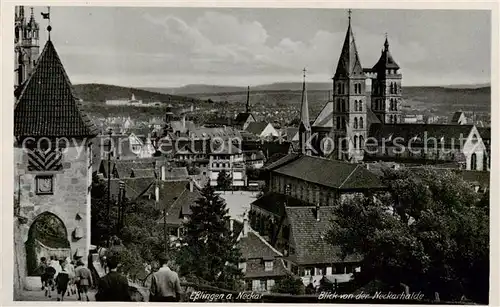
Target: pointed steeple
column 247, row 106
column 349, row 63
column 305, row 125
column 47, row 106
column 304, row 107
column 385, row 61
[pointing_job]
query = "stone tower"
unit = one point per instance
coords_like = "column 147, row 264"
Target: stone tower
column 386, row 88
column 349, row 102
column 305, row 124
column 53, row 167
column 26, row 44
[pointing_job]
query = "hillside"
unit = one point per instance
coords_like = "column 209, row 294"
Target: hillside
column 197, row 89
column 103, row 92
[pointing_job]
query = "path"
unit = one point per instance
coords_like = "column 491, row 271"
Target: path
column 40, row 296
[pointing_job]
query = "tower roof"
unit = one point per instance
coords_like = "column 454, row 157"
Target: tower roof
column 304, row 107
column 349, row 63
column 47, row 106
column 386, row 61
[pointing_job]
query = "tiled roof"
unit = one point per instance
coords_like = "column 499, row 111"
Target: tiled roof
column 254, row 155
column 170, row 191
column 180, row 206
column 175, row 173
column 253, row 246
column 330, row 173
column 291, row 132
column 123, row 168
column 256, row 127
column 134, row 187
column 275, row 203
column 451, row 134
column 255, row 250
column 225, row 148
column 47, row 106
column 309, row 236
column 279, row 159
column 144, row 172
column 241, row 118
column 484, row 132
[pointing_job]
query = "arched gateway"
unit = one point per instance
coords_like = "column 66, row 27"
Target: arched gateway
column 52, row 168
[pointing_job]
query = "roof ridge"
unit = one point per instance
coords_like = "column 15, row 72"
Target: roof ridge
column 340, row 186
column 265, row 242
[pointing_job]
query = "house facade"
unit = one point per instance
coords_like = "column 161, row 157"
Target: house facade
column 262, row 264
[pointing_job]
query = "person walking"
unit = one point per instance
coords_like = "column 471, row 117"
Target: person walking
column 62, row 281
column 48, row 277
column 114, row 286
column 56, row 265
column 83, row 280
column 41, row 270
column 70, row 268
column 165, row 284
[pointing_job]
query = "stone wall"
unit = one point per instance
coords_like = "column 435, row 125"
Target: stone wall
column 19, row 260
column 70, row 201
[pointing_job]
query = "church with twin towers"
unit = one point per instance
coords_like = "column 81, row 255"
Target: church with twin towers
column 344, row 121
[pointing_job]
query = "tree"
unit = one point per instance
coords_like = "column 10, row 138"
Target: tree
column 430, row 232
column 209, row 253
column 290, row 284
column 223, row 181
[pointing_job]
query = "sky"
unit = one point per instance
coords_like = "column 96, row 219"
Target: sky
column 171, row 47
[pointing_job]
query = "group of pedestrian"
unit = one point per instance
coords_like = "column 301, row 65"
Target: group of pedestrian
column 63, row 276
column 165, row 284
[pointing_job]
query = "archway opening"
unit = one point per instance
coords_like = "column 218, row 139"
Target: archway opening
column 47, row 237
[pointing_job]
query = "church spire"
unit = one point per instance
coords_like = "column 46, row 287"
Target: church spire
column 305, row 125
column 247, row 106
column 304, row 108
column 349, row 63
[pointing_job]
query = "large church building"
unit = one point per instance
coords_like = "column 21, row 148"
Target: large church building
column 359, row 125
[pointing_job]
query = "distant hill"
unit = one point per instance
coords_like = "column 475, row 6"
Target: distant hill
column 102, row 92
column 199, row 89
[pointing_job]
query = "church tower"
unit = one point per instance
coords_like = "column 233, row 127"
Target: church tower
column 386, row 88
column 26, row 44
column 305, row 124
column 349, row 102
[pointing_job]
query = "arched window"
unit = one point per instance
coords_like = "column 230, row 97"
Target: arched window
column 361, row 142
column 343, row 105
column 339, row 88
column 360, row 106
column 343, row 122
column 338, row 122
column 485, row 161
column 361, row 123
column 355, row 105
column 355, row 141
column 395, row 104
column 473, row 162
column 355, row 123
column 395, row 119
column 338, row 106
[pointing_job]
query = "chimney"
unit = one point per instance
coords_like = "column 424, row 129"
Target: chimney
column 317, row 212
column 245, row 227
column 157, row 193
column 162, row 172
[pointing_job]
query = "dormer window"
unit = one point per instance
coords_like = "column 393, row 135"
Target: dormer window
column 268, row 266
